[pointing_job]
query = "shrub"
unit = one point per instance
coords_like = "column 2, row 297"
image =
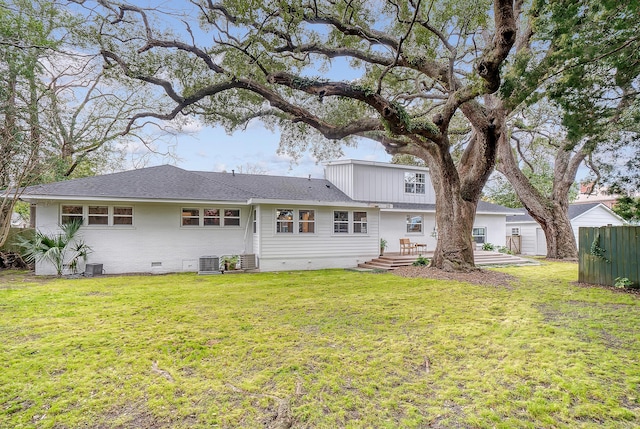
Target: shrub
column 421, row 262
column 624, row 283
column 488, row 246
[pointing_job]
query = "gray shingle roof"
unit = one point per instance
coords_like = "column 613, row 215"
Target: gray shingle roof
column 575, row 210
column 168, row 183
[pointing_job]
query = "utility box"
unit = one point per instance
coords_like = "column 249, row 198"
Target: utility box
column 248, row 262
column 91, row 270
column 209, row 265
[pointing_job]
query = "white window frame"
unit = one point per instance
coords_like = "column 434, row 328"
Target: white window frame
column 285, row 225
column 483, row 236
column 209, row 213
column 415, row 183
column 71, row 216
column 410, row 223
column 224, row 219
column 122, row 216
column 309, row 223
column 341, row 223
column 515, row 230
column 86, row 215
column 96, row 216
column 361, row 224
column 191, row 217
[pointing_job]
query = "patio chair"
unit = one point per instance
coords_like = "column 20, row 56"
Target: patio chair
column 406, row 247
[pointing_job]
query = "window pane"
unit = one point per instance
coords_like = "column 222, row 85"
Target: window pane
column 123, row 211
column 98, row 220
column 284, row 226
column 341, row 216
column 306, row 215
column 360, row 228
column 414, row 223
column 341, row 228
column 231, row 221
column 98, row 210
column 120, row 220
column 212, row 221
column 72, row 210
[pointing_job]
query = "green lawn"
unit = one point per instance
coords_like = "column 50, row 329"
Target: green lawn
column 319, row 349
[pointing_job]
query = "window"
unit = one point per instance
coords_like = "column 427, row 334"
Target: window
column 231, row 217
column 211, row 217
column 359, row 222
column 98, row 215
column 306, row 221
column 414, row 183
column 341, row 222
column 255, row 221
column 414, row 223
column 479, row 235
column 284, row 221
column 123, row 215
column 515, row 231
column 71, row 214
column 190, row 217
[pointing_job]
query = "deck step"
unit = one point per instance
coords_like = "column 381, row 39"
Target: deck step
column 392, row 261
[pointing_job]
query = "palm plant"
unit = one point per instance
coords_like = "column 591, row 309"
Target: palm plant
column 56, row 248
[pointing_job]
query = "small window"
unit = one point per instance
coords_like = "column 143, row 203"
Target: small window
column 231, row 217
column 211, row 217
column 341, row 222
column 284, row 221
column 71, row 214
column 479, row 235
column 414, row 223
column 359, row 222
column 255, row 221
column 414, row 183
column 306, row 221
column 98, row 215
column 515, row 231
column 190, row 217
column 123, row 215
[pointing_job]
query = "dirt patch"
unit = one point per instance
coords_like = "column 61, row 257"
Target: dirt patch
column 478, row 276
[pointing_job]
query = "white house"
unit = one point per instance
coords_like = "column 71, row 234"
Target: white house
column 533, row 241
column 164, row 219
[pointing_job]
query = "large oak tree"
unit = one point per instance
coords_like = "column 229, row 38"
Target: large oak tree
column 419, row 64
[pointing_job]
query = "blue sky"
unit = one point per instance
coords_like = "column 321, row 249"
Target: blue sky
column 212, row 149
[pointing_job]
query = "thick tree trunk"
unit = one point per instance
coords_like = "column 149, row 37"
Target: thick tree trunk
column 458, row 189
column 551, row 212
column 561, row 243
column 454, row 249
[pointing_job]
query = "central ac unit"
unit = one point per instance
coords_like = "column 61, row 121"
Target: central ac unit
column 209, row 265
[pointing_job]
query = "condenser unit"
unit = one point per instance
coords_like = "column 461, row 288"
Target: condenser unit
column 209, row 265
column 248, row 262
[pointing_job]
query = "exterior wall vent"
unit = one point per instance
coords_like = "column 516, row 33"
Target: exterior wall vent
column 209, row 265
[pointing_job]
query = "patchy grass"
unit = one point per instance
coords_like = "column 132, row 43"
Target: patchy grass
column 317, row 349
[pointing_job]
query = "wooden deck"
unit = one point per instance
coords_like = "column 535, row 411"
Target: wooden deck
column 391, row 260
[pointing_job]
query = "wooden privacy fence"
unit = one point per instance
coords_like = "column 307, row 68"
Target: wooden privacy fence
column 607, row 253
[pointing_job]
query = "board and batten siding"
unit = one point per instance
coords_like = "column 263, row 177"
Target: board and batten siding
column 156, row 243
column 341, row 175
column 370, row 181
column 322, row 249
